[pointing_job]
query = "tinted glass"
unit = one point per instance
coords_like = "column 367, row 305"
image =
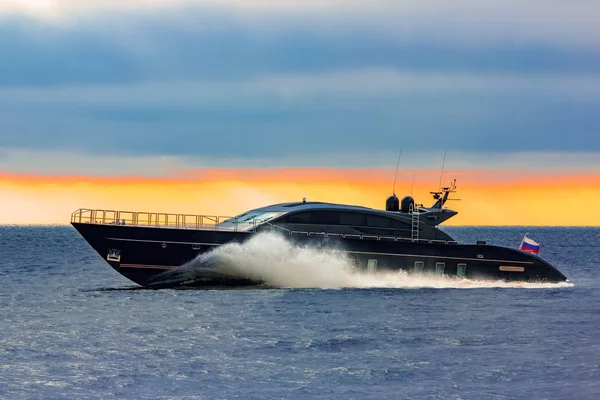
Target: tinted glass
column 377, row 221
column 248, row 220
column 352, row 219
column 316, row 217
column 325, row 217
column 418, row 267
column 300, row 218
column 349, row 218
column 439, row 268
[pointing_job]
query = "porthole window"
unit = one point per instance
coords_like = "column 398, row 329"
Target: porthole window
column 418, row 267
column 439, row 268
column 371, row 265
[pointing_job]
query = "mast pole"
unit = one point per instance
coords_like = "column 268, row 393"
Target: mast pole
column 396, row 174
column 442, row 172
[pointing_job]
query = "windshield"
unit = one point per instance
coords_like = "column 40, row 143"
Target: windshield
column 249, row 220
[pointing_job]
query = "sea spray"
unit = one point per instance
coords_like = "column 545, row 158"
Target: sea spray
column 271, row 259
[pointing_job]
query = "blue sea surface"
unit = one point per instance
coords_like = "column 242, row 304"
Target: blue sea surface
column 69, row 330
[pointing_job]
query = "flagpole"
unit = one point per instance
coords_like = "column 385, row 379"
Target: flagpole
column 522, row 241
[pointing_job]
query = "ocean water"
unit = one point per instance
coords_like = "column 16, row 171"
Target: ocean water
column 72, row 328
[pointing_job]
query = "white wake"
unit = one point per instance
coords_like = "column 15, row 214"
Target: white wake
column 270, row 258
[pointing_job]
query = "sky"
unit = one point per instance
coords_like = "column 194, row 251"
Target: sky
column 124, row 104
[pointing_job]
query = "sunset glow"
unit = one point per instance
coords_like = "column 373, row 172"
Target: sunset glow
column 219, row 106
column 484, row 198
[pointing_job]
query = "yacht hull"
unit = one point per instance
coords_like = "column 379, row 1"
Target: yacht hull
column 153, row 257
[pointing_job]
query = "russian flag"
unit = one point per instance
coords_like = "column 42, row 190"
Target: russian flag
column 530, row 245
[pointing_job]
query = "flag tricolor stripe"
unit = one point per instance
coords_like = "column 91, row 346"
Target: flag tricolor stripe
column 530, row 245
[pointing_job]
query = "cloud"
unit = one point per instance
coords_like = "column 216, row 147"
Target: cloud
column 253, row 79
column 344, row 84
column 427, row 162
column 465, row 21
column 113, row 42
column 142, row 42
column 299, row 114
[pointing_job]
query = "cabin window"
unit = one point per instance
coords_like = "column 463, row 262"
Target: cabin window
column 371, row 265
column 377, row 221
column 299, row 218
column 352, row 219
column 461, row 270
column 418, row 267
column 439, row 268
column 247, row 220
column 357, row 219
column 314, row 217
column 325, row 217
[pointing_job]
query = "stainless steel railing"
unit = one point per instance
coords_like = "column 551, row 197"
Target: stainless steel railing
column 149, row 219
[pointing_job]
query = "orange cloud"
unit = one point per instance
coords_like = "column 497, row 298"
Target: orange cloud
column 487, row 197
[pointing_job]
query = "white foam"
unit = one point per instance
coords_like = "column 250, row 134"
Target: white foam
column 270, row 258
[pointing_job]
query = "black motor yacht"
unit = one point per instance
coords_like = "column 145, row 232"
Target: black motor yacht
column 405, row 236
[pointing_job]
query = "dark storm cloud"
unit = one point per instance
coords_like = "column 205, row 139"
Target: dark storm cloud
column 149, row 50
column 489, row 122
column 208, row 82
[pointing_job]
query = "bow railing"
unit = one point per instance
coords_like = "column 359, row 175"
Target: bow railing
column 149, row 219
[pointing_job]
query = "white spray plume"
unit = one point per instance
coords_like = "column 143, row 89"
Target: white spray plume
column 270, row 258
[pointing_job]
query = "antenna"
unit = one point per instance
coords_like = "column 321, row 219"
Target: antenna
column 396, row 175
column 442, row 173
